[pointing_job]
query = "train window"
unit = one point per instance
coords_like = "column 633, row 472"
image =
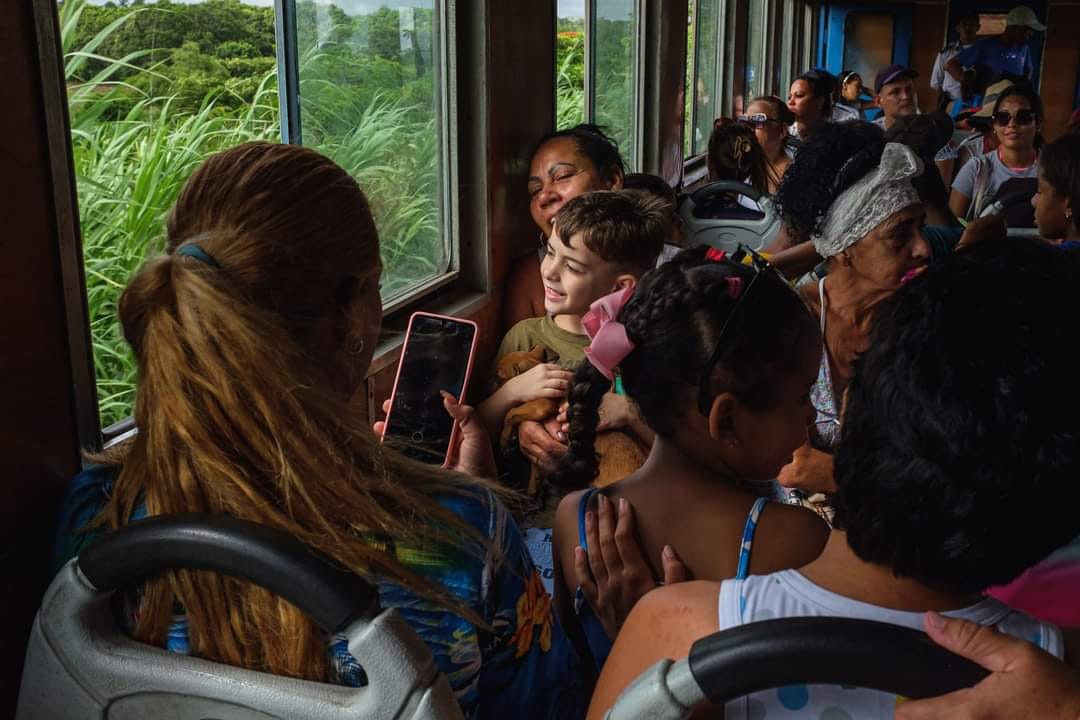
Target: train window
column 807, row 38
column 787, row 47
column 704, row 59
column 570, row 64
column 755, row 48
column 614, row 72
column 868, row 42
column 373, row 100
column 152, row 90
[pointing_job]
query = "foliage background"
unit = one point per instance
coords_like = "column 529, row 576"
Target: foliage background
column 153, row 89
column 156, row 87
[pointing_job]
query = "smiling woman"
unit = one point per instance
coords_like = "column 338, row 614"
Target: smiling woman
column 1017, row 117
column 565, row 164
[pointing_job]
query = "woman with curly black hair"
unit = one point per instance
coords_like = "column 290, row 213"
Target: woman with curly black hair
column 851, row 193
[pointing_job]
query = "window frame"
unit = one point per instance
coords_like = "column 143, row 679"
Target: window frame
column 447, row 127
column 762, row 60
column 69, row 248
column 694, row 166
column 463, row 289
column 634, row 160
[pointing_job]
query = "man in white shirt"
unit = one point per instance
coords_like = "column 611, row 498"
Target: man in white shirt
column 948, row 87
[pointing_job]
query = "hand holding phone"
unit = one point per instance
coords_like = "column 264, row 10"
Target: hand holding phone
column 470, row 451
column 436, row 358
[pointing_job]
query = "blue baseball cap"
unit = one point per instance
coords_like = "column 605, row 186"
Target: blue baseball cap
column 892, row 74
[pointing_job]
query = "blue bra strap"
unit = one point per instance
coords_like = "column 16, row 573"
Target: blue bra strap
column 748, row 538
column 582, row 507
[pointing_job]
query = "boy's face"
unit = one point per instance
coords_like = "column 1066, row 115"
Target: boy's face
column 575, row 277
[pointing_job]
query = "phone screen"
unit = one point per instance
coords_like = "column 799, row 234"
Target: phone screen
column 436, row 357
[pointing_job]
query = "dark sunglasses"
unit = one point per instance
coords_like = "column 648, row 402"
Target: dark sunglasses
column 756, row 120
column 1002, row 118
column 760, row 265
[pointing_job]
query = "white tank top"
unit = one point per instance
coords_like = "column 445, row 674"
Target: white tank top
column 789, row 594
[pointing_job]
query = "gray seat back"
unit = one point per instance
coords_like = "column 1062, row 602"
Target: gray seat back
column 808, row 651
column 725, row 233
column 80, row 664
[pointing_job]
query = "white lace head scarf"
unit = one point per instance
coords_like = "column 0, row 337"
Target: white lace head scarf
column 863, row 206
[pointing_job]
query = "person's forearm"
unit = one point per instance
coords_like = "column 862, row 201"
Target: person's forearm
column 955, row 70
column 493, row 410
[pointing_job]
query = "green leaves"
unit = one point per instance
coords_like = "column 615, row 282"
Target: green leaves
column 143, row 119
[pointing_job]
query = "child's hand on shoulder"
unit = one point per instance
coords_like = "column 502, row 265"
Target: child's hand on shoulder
column 546, row 380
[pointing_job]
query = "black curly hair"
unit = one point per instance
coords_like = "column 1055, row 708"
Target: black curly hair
column 926, row 135
column 593, row 143
column 674, row 319
column 958, row 453
column 832, row 159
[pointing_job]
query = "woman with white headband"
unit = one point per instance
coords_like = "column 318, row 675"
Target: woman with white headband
column 852, row 194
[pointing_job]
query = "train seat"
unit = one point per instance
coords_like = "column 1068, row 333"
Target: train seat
column 80, row 663
column 809, row 650
column 710, row 217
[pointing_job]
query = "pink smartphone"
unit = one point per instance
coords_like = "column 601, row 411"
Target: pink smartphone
column 438, row 355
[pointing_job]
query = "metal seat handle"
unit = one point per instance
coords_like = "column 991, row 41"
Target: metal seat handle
column 329, row 594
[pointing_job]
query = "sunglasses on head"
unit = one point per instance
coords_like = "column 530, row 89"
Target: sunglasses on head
column 1002, row 118
column 756, row 120
column 760, row 266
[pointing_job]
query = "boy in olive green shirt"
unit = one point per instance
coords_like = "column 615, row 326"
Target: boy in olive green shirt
column 600, row 242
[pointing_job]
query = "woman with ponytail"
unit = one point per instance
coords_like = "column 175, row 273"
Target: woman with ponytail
column 718, row 358
column 253, row 333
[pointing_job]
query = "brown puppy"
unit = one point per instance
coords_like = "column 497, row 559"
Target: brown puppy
column 620, row 454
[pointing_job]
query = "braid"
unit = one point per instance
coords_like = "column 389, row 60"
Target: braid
column 580, row 465
column 674, row 319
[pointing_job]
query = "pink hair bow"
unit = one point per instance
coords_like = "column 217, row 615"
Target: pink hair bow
column 610, row 343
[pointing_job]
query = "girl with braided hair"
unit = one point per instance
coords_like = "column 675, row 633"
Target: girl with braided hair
column 718, row 357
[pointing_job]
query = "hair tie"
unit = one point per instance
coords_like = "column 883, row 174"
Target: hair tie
column 734, row 287
column 714, row 255
column 742, row 146
column 193, row 250
column 609, row 342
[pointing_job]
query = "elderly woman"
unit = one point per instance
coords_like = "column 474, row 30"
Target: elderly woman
column 852, row 194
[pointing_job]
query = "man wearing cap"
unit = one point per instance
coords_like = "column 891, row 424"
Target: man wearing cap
column 1005, row 54
column 895, row 90
column 948, row 87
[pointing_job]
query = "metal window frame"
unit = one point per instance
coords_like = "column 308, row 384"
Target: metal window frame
column 445, row 49
column 635, row 159
column 637, row 110
column 694, row 164
column 83, row 378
